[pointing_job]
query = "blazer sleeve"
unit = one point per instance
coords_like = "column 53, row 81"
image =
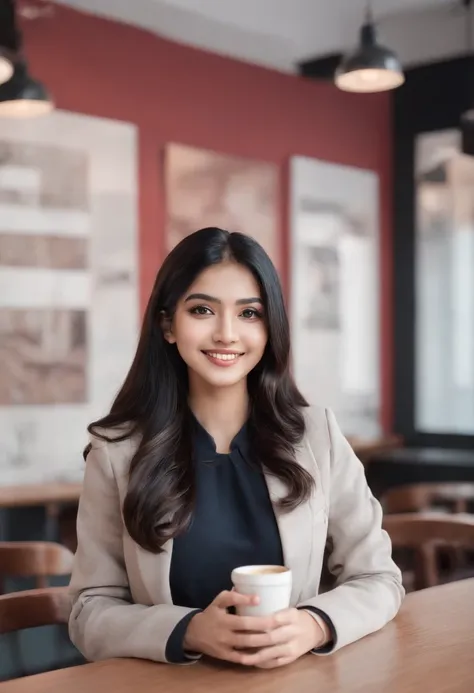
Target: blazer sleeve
column 368, row 591
column 104, row 621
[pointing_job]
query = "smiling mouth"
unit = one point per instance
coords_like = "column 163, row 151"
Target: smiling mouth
column 224, row 357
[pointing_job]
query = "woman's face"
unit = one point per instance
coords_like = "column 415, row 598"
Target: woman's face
column 219, row 325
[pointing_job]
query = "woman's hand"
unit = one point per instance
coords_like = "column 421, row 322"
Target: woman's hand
column 262, row 641
column 217, row 633
column 296, row 634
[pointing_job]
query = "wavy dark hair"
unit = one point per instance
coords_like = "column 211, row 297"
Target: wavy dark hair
column 153, row 401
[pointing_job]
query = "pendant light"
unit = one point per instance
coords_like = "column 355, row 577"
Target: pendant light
column 21, row 96
column 371, row 67
column 467, row 118
column 6, row 54
column 6, row 66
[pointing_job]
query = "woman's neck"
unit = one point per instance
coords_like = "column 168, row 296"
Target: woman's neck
column 221, row 411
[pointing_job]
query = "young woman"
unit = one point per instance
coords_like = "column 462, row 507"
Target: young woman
column 210, row 459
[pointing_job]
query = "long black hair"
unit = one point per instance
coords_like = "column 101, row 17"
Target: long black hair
column 152, row 403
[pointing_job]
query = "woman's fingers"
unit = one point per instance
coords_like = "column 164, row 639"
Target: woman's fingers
column 273, row 663
column 251, row 624
column 269, row 656
column 229, row 598
column 260, row 641
column 270, row 638
column 262, row 624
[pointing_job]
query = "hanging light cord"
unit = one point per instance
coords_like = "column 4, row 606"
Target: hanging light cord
column 369, row 14
column 9, row 34
column 467, row 6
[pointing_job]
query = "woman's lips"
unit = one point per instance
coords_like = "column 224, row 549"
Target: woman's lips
column 224, row 359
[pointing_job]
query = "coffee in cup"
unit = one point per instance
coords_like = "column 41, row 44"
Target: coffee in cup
column 271, row 583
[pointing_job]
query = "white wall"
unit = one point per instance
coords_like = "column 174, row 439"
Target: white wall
column 427, row 35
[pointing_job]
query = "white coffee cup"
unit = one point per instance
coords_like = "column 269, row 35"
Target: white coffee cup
column 271, row 583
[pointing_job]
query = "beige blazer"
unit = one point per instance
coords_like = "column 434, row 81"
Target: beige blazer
column 121, row 599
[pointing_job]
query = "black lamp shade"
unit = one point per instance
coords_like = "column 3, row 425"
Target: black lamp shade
column 371, row 67
column 23, row 96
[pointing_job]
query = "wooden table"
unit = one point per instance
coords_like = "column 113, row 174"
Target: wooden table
column 428, row 647
column 51, row 496
column 399, row 467
column 39, row 494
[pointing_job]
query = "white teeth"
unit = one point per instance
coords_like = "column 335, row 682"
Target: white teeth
column 223, row 357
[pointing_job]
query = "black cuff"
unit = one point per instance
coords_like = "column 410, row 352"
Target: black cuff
column 174, row 652
column 332, row 643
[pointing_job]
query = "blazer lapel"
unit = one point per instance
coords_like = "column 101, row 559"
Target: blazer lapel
column 295, row 529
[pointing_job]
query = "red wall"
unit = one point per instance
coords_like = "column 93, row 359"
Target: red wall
column 178, row 94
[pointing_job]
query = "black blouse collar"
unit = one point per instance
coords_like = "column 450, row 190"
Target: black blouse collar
column 205, row 444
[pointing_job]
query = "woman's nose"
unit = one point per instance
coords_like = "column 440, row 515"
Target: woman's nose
column 225, row 332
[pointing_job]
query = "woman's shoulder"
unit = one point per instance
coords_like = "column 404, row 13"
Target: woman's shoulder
column 117, row 444
column 322, row 432
column 316, row 421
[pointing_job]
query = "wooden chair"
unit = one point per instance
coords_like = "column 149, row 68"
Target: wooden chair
column 422, row 497
column 49, row 606
column 33, row 608
column 448, row 496
column 424, row 534
column 67, row 527
column 37, row 559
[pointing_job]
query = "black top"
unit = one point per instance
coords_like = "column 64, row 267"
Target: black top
column 233, row 524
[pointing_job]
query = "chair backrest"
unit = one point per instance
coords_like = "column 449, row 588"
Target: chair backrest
column 413, row 530
column 424, row 533
column 422, row 497
column 39, row 559
column 33, row 608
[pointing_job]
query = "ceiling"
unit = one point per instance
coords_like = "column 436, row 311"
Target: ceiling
column 274, row 33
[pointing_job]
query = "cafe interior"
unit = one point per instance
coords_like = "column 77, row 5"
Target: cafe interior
column 341, row 136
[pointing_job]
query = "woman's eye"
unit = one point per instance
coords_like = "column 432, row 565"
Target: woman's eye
column 250, row 313
column 200, row 310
